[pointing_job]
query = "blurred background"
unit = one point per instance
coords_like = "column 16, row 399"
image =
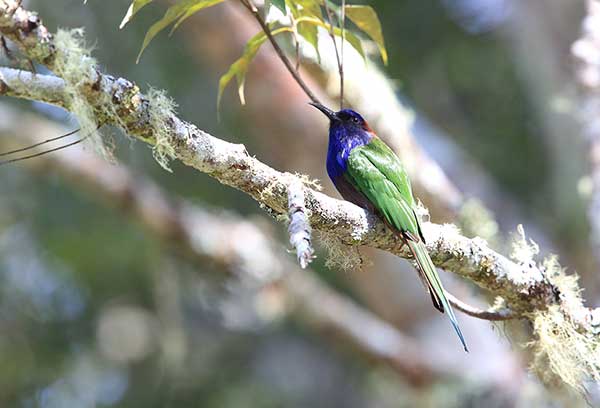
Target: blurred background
column 100, row 307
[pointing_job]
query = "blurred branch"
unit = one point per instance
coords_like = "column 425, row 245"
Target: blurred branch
column 586, row 51
column 222, row 239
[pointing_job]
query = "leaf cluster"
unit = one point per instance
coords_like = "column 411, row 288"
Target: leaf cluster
column 301, row 20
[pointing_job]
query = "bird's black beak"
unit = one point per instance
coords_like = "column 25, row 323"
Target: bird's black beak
column 326, row 111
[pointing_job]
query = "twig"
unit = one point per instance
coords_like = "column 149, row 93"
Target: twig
column 492, row 315
column 44, row 152
column 296, row 42
column 337, row 55
column 299, row 228
column 55, row 149
column 295, row 74
column 52, row 139
column 341, row 67
column 4, row 48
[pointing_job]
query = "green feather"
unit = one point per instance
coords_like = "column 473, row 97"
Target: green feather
column 376, row 171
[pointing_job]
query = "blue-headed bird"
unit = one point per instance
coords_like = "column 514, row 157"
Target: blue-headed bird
column 369, row 174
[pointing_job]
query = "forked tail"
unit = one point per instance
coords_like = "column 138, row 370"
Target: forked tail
column 434, row 284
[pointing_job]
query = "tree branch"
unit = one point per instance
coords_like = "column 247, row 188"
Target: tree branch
column 523, row 286
column 491, row 314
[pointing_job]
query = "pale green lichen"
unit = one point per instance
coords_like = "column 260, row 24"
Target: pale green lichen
column 340, row 255
column 74, row 64
column 563, row 351
column 161, row 109
column 315, row 184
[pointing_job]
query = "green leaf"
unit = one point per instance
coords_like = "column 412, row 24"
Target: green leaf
column 352, row 39
column 202, row 4
column 311, row 34
column 310, row 8
column 173, row 13
column 134, row 7
column 280, row 4
column 240, row 67
column 366, row 19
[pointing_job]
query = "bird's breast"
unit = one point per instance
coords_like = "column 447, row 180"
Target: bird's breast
column 337, row 162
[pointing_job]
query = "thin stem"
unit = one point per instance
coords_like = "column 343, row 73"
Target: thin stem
column 40, row 143
column 342, row 27
column 31, row 156
column 295, row 74
column 5, row 48
column 492, row 315
column 296, row 42
column 337, row 54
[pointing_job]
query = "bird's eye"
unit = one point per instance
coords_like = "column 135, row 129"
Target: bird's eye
column 355, row 120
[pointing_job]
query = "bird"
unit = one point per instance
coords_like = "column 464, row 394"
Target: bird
column 367, row 172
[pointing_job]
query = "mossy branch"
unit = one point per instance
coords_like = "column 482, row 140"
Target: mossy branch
column 524, row 286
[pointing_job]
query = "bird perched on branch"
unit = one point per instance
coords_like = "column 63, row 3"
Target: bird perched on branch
column 368, row 173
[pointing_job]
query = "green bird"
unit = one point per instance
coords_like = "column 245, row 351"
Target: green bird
column 368, row 173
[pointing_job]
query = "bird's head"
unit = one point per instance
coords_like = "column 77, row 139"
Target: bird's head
column 346, row 119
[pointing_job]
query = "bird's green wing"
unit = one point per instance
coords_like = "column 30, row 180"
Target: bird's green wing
column 376, row 171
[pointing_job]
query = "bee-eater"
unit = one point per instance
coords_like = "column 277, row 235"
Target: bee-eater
column 368, row 173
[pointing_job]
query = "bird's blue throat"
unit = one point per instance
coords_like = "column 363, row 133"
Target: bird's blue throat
column 342, row 140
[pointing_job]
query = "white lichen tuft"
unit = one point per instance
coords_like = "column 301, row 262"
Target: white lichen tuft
column 161, row 108
column 563, row 351
column 299, row 228
column 524, row 251
column 74, row 64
